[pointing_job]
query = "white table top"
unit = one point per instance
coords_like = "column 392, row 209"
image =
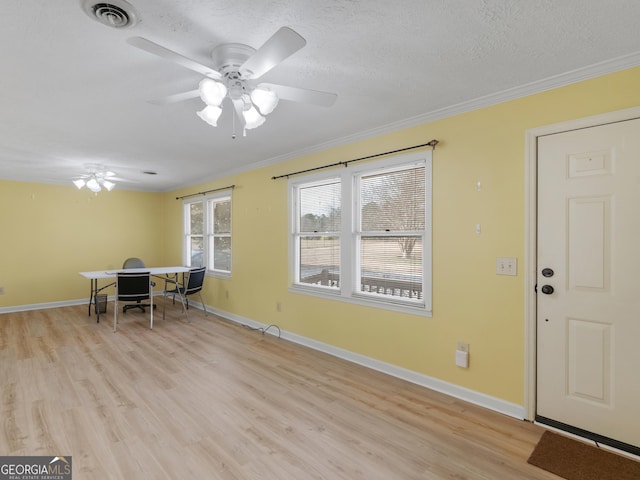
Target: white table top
column 152, row 270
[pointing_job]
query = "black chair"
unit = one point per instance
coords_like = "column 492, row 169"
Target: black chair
column 134, row 262
column 191, row 284
column 133, row 287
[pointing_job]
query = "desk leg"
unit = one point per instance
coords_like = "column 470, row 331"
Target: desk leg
column 93, row 298
column 92, row 294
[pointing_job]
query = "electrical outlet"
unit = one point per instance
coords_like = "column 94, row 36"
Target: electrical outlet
column 462, row 359
column 278, row 307
column 462, row 354
column 1, row 290
column 506, row 266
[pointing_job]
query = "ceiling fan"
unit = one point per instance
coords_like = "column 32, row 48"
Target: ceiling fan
column 237, row 68
column 96, row 178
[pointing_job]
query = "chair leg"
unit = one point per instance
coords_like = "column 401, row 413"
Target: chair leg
column 115, row 315
column 164, row 305
column 203, row 305
column 185, row 307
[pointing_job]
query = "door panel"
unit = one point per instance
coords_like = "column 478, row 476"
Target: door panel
column 589, row 361
column 589, row 243
column 588, row 328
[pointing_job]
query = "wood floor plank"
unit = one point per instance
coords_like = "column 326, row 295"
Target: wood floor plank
column 211, row 399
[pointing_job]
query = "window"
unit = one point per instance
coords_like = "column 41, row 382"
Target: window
column 363, row 234
column 207, row 233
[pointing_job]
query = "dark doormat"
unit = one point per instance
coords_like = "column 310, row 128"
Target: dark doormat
column 575, row 460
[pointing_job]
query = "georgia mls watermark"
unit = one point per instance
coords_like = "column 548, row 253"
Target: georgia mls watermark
column 35, row 468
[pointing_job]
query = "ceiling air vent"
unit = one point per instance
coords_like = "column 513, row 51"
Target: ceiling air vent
column 113, row 13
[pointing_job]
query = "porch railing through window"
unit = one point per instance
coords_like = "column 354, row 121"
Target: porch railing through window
column 397, row 287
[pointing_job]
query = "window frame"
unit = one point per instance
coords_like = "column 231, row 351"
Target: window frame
column 208, row 234
column 350, row 232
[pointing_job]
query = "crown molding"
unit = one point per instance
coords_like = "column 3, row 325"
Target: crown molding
column 567, row 78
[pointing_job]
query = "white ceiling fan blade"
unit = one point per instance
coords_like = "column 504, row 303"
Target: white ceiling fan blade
column 120, row 179
column 303, row 95
column 284, row 43
column 160, row 51
column 176, row 97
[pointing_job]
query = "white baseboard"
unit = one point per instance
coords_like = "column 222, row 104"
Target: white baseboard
column 43, row 306
column 471, row 396
column 64, row 303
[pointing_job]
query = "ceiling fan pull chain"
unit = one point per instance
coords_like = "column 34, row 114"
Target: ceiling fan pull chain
column 233, row 131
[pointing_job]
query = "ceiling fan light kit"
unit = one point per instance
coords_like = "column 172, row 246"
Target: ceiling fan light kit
column 94, row 183
column 251, row 103
column 96, row 179
column 213, row 92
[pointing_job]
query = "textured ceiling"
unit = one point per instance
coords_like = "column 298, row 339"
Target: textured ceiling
column 74, row 92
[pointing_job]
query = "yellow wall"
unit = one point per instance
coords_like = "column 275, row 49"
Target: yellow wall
column 52, row 232
column 49, row 233
column 470, row 302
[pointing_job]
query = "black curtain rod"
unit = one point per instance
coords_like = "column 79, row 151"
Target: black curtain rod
column 206, row 191
column 346, row 163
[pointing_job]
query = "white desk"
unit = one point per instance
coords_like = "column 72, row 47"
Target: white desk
column 111, row 274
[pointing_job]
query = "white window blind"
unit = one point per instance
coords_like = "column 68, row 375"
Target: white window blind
column 390, row 238
column 318, row 234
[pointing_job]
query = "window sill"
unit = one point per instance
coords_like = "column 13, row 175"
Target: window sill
column 221, row 275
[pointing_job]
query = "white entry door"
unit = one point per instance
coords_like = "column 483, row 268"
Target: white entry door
column 588, row 283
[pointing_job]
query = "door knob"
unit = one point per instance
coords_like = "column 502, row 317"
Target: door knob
column 547, row 272
column 547, row 289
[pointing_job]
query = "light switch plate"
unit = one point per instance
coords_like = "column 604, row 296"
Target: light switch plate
column 506, row 266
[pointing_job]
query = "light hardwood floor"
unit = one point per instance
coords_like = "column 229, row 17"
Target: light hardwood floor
column 213, row 400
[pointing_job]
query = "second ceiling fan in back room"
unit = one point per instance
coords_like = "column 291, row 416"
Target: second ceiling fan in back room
column 234, row 76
